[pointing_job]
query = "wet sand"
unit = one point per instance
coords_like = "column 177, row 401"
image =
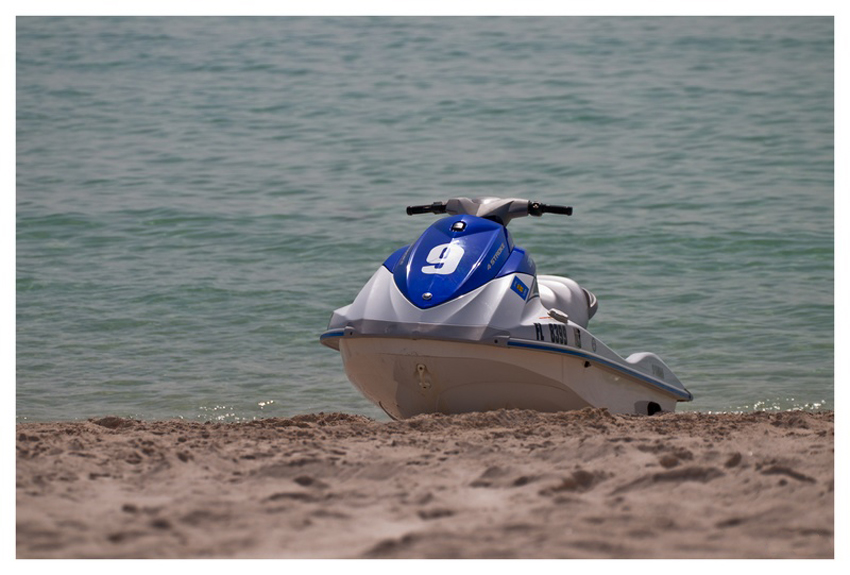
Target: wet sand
column 504, row 484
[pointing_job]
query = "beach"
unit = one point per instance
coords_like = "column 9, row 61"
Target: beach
column 502, row 484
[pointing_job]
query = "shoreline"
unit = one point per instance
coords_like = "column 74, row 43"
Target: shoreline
column 502, row 484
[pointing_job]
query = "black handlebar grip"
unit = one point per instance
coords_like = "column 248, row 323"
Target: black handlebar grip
column 538, row 209
column 435, row 208
column 563, row 210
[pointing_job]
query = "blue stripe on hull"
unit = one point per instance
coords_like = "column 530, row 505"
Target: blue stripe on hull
column 685, row 395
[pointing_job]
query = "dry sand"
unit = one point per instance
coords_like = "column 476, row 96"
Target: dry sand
column 504, row 484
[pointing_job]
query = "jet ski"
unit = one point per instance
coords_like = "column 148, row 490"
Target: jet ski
column 460, row 321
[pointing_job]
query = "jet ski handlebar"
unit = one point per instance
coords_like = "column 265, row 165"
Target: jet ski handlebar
column 435, row 208
column 496, row 209
column 538, row 209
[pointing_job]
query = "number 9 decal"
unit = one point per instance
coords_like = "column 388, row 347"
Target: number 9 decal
column 444, row 259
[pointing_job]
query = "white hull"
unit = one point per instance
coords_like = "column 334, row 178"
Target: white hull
column 406, row 377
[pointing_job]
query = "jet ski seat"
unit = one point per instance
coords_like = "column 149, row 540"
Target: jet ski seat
column 567, row 296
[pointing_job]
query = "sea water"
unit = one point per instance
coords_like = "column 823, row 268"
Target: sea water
column 196, row 195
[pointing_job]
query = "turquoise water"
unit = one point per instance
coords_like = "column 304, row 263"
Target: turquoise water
column 195, row 196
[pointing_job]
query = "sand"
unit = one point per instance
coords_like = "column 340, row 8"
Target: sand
column 504, row 484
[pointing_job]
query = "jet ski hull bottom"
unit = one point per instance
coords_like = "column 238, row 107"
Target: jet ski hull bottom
column 407, row 377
